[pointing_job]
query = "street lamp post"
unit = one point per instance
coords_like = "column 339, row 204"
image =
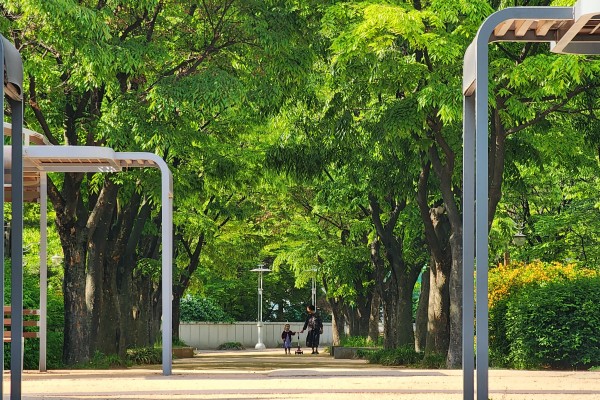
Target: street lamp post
column 569, row 30
column 259, row 324
column 313, row 291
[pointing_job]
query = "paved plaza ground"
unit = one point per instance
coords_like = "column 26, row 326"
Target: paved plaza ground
column 270, row 374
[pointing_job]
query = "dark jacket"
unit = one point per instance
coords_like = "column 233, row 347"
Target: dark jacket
column 285, row 334
column 313, row 322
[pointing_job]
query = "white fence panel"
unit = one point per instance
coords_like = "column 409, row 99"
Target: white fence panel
column 209, row 335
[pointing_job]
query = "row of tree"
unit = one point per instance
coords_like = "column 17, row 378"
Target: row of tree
column 302, row 134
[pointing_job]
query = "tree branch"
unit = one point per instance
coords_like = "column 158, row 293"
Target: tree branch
column 39, row 116
column 548, row 111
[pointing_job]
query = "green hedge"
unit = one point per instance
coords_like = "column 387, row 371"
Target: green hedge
column 507, row 283
column 553, row 325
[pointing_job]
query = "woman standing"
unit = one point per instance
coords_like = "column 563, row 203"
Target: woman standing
column 315, row 329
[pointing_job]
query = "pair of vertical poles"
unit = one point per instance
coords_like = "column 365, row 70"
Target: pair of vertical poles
column 572, row 30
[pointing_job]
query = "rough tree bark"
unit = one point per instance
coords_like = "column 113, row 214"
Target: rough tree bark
column 374, row 318
column 337, row 320
column 395, row 285
column 437, row 233
column 105, row 298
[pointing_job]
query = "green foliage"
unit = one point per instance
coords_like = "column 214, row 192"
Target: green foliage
column 555, row 325
column 195, row 309
column 406, row 356
column 179, row 343
column 55, row 309
column 505, row 282
column 433, row 361
column 102, row 361
column 360, row 341
column 134, row 356
column 231, row 346
column 144, row 355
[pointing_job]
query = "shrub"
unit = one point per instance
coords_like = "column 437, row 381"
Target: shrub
column 555, row 325
column 433, row 361
column 102, row 361
column 231, row 346
column 505, row 282
column 144, row 355
column 400, row 356
column 360, row 341
column 177, row 342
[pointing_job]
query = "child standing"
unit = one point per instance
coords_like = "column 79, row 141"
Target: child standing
column 287, row 335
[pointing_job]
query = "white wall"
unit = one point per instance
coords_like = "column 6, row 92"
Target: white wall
column 208, row 335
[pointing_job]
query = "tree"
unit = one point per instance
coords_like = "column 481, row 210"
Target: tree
column 430, row 39
column 151, row 75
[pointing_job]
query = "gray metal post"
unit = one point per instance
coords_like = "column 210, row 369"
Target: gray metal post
column 468, row 312
column 43, row 270
column 167, row 262
column 16, row 333
column 166, row 179
column 259, row 324
column 475, row 83
column 481, row 217
column 13, row 71
column 260, row 345
column 2, row 218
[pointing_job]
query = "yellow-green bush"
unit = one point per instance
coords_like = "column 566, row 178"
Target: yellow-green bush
column 505, row 285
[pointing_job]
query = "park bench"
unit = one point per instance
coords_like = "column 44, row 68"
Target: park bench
column 30, row 319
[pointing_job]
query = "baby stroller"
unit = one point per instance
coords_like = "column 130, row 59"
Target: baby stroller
column 299, row 350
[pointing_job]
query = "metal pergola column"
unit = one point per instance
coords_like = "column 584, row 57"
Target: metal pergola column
column 167, row 251
column 569, row 30
column 13, row 70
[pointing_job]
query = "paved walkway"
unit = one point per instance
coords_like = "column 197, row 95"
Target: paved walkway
column 272, row 375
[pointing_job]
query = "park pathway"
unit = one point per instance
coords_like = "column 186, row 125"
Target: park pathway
column 270, row 374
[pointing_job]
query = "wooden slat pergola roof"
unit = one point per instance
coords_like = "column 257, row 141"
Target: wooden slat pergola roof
column 565, row 36
column 40, row 156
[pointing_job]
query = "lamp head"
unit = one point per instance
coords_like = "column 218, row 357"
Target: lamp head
column 519, row 239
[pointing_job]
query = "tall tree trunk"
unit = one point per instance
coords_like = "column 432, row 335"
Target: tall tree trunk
column 438, row 332
column 357, row 315
column 193, row 250
column 337, row 325
column 101, row 283
column 176, row 316
column 73, row 237
column 77, row 315
column 454, row 359
column 437, row 232
column 396, row 284
column 391, row 321
column 406, row 333
column 374, row 317
column 102, row 298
